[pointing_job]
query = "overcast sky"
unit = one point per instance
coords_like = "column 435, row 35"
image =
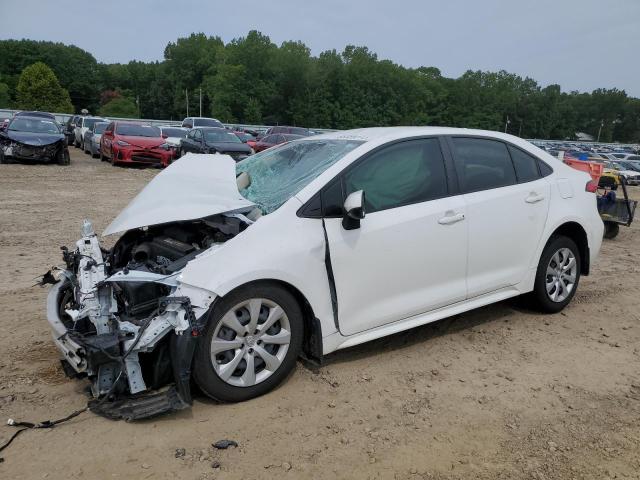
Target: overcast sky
column 579, row 44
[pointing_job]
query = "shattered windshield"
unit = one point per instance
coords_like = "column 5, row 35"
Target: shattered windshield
column 278, row 174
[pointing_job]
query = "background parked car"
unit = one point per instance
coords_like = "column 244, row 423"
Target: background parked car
column 91, row 139
column 69, row 129
column 134, row 143
column 214, row 140
column 248, row 139
column 191, row 122
column 631, row 176
column 48, row 116
column 626, row 156
column 82, row 126
column 287, row 130
column 275, row 139
column 173, row 136
column 33, row 139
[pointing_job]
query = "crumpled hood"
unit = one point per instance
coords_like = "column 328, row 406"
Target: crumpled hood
column 34, row 139
column 195, row 186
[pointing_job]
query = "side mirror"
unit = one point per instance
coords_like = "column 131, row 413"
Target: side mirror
column 353, row 210
column 164, row 135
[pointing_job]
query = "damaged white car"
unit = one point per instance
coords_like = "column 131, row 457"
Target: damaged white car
column 226, row 273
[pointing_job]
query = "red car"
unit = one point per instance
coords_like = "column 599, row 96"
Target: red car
column 135, row 143
column 247, row 138
column 275, row 139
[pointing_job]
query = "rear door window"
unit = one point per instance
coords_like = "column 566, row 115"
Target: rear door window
column 482, row 164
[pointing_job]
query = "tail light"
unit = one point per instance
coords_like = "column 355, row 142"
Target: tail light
column 591, row 186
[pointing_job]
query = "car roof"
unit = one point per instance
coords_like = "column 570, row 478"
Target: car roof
column 393, row 133
column 33, row 113
column 35, row 117
column 212, row 128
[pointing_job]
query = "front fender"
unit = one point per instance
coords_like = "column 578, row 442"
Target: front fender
column 279, row 246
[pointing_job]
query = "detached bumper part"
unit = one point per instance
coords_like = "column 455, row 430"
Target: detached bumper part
column 73, row 352
column 140, row 407
column 94, row 355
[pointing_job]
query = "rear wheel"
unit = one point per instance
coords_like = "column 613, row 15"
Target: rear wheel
column 557, row 276
column 611, row 230
column 251, row 343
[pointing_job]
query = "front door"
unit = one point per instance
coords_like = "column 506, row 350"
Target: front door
column 409, row 254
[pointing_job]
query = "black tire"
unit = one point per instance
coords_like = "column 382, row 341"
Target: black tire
column 611, row 230
column 204, row 373
column 2, row 159
column 64, row 158
column 539, row 298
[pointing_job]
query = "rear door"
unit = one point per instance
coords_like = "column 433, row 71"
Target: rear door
column 409, row 254
column 507, row 200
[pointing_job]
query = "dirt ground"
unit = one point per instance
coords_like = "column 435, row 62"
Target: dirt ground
column 497, row 393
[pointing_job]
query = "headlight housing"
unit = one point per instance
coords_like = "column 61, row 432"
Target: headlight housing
column 122, row 143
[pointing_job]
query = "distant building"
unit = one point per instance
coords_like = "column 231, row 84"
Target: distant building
column 584, row 137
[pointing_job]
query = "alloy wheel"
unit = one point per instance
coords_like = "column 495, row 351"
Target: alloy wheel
column 561, row 275
column 250, row 342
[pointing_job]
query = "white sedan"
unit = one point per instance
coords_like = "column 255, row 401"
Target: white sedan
column 319, row 244
column 84, row 123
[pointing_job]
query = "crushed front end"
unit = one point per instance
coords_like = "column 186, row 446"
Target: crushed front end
column 122, row 318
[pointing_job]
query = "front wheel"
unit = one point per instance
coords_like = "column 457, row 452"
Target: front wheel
column 64, row 158
column 251, row 343
column 557, row 276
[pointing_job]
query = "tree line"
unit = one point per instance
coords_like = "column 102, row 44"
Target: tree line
column 253, row 80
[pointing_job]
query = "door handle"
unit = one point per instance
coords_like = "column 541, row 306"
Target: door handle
column 451, row 218
column 534, row 198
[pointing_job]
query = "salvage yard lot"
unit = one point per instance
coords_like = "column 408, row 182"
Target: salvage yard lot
column 499, row 392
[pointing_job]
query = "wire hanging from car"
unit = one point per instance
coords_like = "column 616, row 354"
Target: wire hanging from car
column 53, row 423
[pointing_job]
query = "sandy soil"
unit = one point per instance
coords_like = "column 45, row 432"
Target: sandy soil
column 496, row 393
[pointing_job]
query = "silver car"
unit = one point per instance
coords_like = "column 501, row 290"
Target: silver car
column 82, row 126
column 91, row 140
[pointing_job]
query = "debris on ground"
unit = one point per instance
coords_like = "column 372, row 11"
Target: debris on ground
column 224, row 444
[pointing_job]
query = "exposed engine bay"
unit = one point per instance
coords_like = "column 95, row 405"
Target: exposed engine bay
column 123, row 320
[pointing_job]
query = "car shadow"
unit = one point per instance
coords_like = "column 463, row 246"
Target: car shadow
column 422, row 334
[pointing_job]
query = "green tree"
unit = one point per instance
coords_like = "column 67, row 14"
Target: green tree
column 76, row 69
column 39, row 89
column 5, row 98
column 120, row 107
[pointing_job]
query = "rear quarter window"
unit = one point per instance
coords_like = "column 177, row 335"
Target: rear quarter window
column 526, row 165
